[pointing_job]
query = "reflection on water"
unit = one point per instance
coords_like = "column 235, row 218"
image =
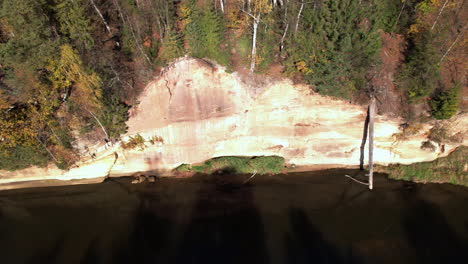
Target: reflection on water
column 313, row 217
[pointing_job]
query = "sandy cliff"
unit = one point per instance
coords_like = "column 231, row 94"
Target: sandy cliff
column 201, row 112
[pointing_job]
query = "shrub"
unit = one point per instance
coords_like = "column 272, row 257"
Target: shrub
column 134, row 142
column 427, row 145
column 183, row 167
column 408, row 130
column 438, row 134
column 155, row 139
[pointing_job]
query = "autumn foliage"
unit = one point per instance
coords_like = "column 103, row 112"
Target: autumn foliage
column 68, row 67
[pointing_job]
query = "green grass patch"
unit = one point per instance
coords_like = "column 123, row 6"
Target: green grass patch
column 448, row 169
column 238, row 165
column 184, row 167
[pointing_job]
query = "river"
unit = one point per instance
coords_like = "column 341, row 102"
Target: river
column 306, row 217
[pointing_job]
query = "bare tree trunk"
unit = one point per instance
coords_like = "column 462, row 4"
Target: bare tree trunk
column 100, row 124
column 453, row 44
column 254, row 44
column 53, row 132
column 285, row 29
column 137, row 43
column 48, row 151
column 372, row 109
column 221, row 3
column 101, row 16
column 133, row 33
column 120, row 11
column 298, row 17
column 364, row 139
column 283, row 37
column 161, row 36
column 401, row 11
column 440, row 12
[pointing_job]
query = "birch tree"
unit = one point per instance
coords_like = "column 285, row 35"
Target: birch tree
column 298, row 16
column 255, row 10
column 438, row 15
column 101, row 16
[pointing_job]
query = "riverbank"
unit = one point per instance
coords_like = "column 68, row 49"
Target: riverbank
column 451, row 169
column 196, row 111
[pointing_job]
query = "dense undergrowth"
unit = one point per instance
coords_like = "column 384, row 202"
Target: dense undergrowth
column 451, row 169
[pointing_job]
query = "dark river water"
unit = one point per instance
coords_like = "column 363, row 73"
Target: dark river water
column 309, row 217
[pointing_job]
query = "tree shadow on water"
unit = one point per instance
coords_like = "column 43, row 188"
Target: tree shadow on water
column 306, row 244
column 225, row 226
column 150, row 238
column 431, row 236
column 91, row 255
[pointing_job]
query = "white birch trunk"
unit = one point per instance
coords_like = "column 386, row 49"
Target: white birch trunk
column 48, row 151
column 101, row 16
column 440, row 12
column 298, row 17
column 401, row 12
column 254, row 43
column 283, row 37
column 451, row 46
column 221, row 3
column 100, row 124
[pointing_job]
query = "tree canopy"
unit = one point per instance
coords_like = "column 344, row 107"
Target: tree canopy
column 68, row 67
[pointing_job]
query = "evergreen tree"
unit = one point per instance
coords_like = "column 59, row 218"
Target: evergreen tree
column 204, row 34
column 445, row 104
column 114, row 116
column 335, row 47
column 420, row 74
column 171, row 47
column 29, row 42
column 73, row 21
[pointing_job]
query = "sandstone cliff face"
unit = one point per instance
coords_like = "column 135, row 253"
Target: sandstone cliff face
column 200, row 111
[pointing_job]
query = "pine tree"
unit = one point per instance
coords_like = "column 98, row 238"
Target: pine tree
column 171, row 47
column 204, row 34
column 29, row 43
column 73, row 22
column 335, row 47
column 420, row 74
column 445, row 104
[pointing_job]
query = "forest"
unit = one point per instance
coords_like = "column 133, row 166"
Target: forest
column 73, row 68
